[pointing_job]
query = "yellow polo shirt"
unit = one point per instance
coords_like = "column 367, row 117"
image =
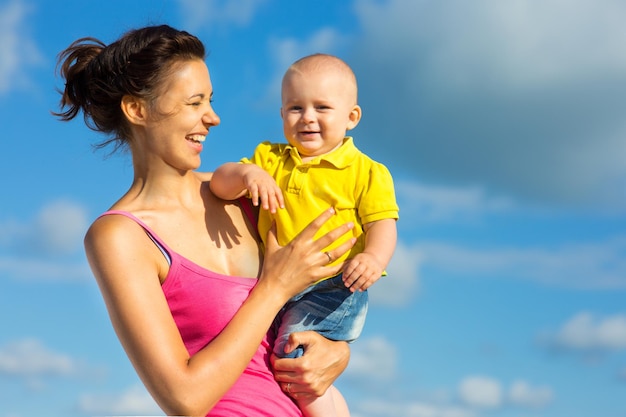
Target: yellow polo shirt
column 359, row 188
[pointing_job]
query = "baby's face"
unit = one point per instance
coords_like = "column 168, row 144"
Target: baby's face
column 318, row 107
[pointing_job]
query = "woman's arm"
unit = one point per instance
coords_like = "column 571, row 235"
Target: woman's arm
column 127, row 267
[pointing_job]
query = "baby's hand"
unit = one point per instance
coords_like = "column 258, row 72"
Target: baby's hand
column 262, row 187
column 360, row 272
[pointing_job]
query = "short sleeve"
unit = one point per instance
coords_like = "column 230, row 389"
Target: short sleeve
column 265, row 155
column 378, row 198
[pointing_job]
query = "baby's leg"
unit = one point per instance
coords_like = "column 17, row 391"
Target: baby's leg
column 324, row 406
column 336, row 313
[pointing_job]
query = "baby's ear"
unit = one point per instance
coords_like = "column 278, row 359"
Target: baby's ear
column 355, row 117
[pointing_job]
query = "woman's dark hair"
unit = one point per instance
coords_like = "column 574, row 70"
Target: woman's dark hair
column 97, row 76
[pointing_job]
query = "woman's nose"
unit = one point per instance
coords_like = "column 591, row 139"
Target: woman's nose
column 211, row 118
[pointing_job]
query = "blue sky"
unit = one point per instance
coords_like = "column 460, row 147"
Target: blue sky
column 503, row 124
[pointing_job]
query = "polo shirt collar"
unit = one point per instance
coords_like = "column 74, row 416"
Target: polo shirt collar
column 341, row 157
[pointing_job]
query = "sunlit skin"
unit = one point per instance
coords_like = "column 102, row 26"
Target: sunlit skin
column 318, row 107
column 173, row 200
column 183, row 111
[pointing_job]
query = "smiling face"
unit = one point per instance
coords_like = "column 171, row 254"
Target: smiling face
column 318, row 105
column 178, row 121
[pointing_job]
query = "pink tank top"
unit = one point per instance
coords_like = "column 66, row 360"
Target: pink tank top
column 202, row 303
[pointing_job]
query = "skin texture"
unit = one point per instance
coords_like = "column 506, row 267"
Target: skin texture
column 176, row 202
column 319, row 105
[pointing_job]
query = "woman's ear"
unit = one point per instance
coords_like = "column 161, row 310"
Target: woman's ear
column 134, row 110
column 355, row 117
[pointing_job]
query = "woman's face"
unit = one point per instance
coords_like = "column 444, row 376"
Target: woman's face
column 181, row 117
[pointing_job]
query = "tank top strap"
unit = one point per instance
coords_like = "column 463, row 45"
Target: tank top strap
column 167, row 252
column 247, row 208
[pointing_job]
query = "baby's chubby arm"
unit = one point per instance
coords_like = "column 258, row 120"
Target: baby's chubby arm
column 233, row 180
column 360, row 272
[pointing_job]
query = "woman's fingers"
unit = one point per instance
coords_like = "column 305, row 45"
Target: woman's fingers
column 304, row 256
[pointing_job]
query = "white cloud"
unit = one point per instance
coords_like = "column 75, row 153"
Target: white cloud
column 408, row 408
column 134, row 401
column 46, row 247
column 285, row 51
column 30, row 358
column 32, row 269
column 58, row 229
column 600, row 265
column 586, row 332
column 522, row 394
column 481, row 392
column 517, row 43
column 477, row 394
column 422, row 203
column 61, row 225
column 400, row 286
column 219, row 13
column 17, row 48
column 518, row 96
column 373, row 359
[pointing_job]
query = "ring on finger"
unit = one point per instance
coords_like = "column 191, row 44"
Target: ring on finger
column 330, row 258
column 288, row 388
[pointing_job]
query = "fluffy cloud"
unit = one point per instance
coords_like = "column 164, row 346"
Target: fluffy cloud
column 380, row 408
column 488, row 393
column 60, row 227
column 480, row 391
column 18, row 51
column 519, row 96
column 29, row 269
column 477, row 395
column 57, row 229
column 219, row 13
column 45, row 247
column 134, row 401
column 400, row 287
column 284, row 51
column 586, row 332
column 30, row 358
column 427, row 204
column 598, row 265
column 521, row 393
column 374, row 358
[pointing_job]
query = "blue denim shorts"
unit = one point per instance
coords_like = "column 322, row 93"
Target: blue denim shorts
column 328, row 308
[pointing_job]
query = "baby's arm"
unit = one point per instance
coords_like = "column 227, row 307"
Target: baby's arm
column 365, row 268
column 233, row 180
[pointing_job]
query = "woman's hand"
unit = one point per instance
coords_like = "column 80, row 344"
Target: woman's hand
column 294, row 267
column 313, row 373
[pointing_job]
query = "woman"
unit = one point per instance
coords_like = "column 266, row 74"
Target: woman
column 180, row 271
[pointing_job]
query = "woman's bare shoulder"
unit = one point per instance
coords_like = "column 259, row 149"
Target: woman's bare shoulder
column 112, row 230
